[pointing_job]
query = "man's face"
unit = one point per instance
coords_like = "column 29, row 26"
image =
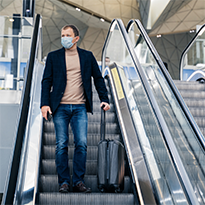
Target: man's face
column 69, row 33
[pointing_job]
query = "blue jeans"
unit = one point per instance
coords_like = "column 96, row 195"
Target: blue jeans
column 76, row 115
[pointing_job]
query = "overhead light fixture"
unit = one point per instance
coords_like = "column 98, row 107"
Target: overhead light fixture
column 102, row 19
column 191, row 31
column 27, row 10
column 86, row 11
column 159, row 36
column 12, row 20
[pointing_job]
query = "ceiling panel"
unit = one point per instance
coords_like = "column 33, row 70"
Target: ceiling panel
column 185, row 16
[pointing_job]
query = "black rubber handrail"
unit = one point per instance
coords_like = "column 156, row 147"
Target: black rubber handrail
column 10, row 186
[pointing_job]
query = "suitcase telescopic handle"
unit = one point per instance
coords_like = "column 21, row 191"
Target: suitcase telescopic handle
column 102, row 124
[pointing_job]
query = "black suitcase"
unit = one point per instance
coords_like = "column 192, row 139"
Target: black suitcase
column 110, row 167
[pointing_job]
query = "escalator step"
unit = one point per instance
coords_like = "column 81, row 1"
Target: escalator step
column 183, row 85
column 86, row 199
column 197, row 112
column 48, row 167
column 194, row 94
column 111, row 128
column 48, row 152
column 200, row 121
column 92, row 139
column 202, row 130
column 49, row 183
column 196, row 102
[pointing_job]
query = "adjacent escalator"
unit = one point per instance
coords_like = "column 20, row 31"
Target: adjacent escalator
column 184, row 133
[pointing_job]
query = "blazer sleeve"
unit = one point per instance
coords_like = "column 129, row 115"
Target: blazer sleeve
column 99, row 81
column 46, row 82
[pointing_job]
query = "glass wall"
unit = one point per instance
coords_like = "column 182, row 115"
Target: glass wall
column 15, row 42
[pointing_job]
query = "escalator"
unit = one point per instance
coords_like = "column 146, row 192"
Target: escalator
column 185, row 136
column 138, row 188
column 48, row 182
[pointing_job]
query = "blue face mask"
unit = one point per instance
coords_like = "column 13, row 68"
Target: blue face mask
column 67, row 42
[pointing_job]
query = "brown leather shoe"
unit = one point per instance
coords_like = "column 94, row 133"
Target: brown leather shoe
column 81, row 188
column 64, row 188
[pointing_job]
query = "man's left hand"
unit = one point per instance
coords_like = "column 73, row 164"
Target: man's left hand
column 106, row 106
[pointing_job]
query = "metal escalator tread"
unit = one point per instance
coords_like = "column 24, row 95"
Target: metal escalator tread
column 48, row 167
column 49, row 152
column 94, row 127
column 90, row 199
column 93, row 139
column 90, row 180
column 48, row 180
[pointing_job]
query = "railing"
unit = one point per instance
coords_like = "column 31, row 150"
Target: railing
column 140, row 174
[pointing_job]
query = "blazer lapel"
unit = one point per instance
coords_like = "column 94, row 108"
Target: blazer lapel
column 82, row 61
column 62, row 61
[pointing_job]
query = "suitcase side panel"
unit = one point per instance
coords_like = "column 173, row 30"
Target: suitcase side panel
column 116, row 166
column 102, row 165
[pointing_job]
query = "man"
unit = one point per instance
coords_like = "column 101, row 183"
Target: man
column 67, row 95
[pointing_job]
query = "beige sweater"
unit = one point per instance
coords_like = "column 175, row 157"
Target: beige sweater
column 74, row 91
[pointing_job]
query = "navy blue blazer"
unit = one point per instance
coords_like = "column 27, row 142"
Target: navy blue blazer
column 54, row 79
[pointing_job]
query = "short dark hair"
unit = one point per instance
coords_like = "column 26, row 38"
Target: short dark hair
column 75, row 29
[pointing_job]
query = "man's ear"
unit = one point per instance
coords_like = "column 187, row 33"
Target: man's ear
column 77, row 38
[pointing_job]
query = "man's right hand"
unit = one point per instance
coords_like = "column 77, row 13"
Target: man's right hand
column 44, row 111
